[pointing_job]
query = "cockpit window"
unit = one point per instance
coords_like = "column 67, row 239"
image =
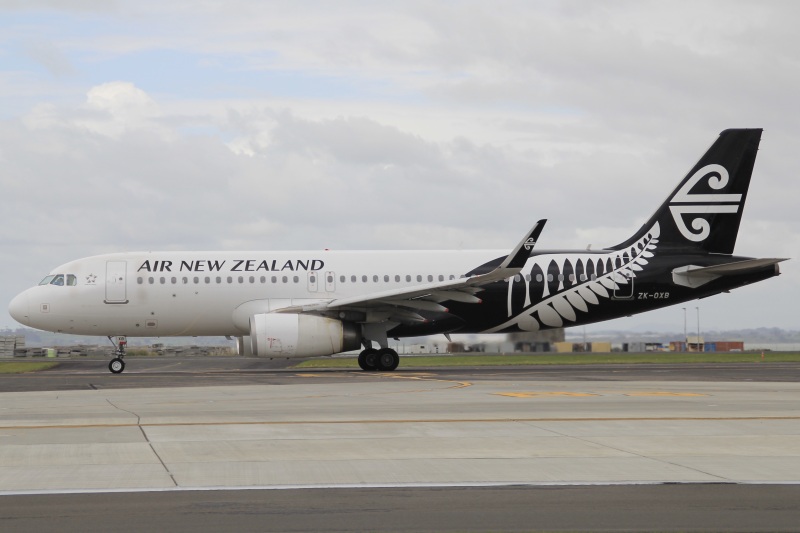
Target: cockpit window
column 60, row 280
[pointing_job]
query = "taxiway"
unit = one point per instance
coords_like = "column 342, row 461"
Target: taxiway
column 478, row 434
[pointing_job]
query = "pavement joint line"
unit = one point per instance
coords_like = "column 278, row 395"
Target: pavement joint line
column 631, row 452
column 405, row 421
column 147, row 439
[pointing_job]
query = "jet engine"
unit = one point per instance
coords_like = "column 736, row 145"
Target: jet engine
column 294, row 335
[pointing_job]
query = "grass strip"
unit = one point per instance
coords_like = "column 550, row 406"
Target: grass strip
column 14, row 367
column 565, row 359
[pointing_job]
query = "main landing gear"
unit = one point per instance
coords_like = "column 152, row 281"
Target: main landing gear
column 117, row 365
column 384, row 359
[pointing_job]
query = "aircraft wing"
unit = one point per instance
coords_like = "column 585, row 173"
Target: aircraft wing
column 402, row 304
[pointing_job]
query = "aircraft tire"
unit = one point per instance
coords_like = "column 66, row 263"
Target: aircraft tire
column 368, row 360
column 116, row 366
column 387, row 360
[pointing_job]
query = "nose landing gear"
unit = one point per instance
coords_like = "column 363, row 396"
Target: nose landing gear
column 117, row 365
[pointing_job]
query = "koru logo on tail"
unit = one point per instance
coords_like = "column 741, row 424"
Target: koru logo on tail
column 529, row 244
column 703, row 204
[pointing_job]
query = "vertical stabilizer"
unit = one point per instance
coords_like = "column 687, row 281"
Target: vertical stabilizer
column 704, row 211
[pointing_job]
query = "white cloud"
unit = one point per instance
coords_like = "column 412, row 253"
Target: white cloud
column 166, row 125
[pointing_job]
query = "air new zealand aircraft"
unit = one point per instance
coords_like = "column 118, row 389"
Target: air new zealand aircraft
column 305, row 304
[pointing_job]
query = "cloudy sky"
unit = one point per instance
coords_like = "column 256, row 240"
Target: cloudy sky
column 258, row 125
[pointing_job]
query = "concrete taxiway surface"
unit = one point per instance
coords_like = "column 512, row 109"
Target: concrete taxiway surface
column 167, row 444
column 395, row 430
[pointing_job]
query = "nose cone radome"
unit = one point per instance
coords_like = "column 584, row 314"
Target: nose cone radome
column 18, row 308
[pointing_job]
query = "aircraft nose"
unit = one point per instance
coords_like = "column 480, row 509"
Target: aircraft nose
column 18, row 308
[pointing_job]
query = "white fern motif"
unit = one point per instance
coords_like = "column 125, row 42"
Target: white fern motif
column 574, row 296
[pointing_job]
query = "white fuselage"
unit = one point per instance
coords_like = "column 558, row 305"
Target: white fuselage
column 215, row 293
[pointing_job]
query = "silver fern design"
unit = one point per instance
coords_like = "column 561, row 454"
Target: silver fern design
column 575, row 284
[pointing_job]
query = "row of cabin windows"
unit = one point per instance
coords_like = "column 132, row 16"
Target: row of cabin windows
column 386, row 278
column 342, row 279
column 560, row 277
column 276, row 279
column 218, row 279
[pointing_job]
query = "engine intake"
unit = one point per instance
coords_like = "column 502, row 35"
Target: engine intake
column 293, row 335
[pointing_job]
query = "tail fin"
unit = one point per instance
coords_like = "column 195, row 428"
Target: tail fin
column 703, row 213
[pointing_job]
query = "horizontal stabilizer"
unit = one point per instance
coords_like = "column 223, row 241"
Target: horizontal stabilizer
column 695, row 276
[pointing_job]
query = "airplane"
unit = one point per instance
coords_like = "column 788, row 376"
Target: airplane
column 319, row 303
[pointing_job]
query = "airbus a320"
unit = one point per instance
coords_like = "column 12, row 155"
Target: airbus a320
column 318, row 303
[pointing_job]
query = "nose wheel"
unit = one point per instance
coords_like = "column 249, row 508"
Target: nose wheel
column 117, row 365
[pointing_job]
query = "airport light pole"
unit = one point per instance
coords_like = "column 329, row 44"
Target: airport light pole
column 698, row 328
column 685, row 335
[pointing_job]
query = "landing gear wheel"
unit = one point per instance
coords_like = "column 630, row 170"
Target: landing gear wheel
column 116, row 365
column 368, row 359
column 387, row 359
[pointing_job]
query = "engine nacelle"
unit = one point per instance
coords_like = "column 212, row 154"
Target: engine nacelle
column 293, row 335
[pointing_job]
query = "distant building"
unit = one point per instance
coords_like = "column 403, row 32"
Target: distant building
column 698, row 344
column 11, row 344
column 535, row 341
column 580, row 347
column 642, row 347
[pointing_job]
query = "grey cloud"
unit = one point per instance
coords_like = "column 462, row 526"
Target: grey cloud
column 466, row 122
